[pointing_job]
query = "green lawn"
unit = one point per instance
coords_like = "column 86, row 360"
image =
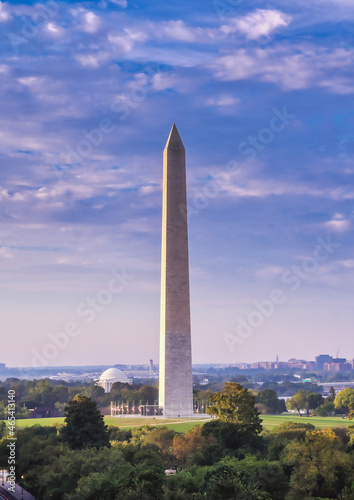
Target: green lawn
column 269, row 422
column 28, row 422
column 124, row 422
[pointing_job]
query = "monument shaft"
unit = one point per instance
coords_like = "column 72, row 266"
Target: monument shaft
column 175, row 380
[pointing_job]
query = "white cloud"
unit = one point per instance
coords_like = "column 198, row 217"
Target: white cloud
column 249, row 187
column 55, row 30
column 121, row 3
column 258, row 23
column 223, row 101
column 145, row 190
column 295, row 67
column 4, row 15
column 3, row 193
column 29, row 81
column 338, row 223
column 163, row 81
column 92, row 60
column 347, row 263
column 126, row 40
column 5, row 253
column 88, row 21
column 91, row 22
column 179, row 31
column 269, row 272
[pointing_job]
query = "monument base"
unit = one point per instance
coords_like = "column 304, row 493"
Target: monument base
column 178, row 413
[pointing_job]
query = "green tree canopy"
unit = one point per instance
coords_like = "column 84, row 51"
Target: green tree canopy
column 299, row 401
column 84, row 425
column 271, row 402
column 325, row 409
column 315, row 400
column 236, row 405
column 351, row 411
column 320, row 465
column 343, row 399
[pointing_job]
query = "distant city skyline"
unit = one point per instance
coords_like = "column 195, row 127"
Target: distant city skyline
column 319, row 363
column 261, row 93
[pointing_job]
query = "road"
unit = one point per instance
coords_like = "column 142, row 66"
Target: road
column 6, row 495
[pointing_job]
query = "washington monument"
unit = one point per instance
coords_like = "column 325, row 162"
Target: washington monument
column 175, row 384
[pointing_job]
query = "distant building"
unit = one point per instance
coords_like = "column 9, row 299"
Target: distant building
column 110, row 377
column 301, row 364
column 339, row 360
column 329, row 364
column 321, row 360
column 151, row 365
column 2, row 367
column 280, row 365
column 267, row 365
column 44, row 412
column 337, row 367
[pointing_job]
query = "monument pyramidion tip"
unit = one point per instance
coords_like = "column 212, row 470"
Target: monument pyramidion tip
column 174, row 140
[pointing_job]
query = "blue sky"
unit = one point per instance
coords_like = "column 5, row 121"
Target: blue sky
column 262, row 93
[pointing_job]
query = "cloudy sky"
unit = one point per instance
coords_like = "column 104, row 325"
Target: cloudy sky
column 262, row 93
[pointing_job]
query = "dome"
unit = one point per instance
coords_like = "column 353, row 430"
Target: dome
column 114, row 373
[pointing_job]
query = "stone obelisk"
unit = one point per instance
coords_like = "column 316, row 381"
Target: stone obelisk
column 175, row 380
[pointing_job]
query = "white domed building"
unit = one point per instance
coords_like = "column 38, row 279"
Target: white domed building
column 110, row 376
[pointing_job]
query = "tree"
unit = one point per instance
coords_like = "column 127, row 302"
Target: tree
column 223, row 481
column 162, row 437
column 83, row 470
column 84, row 425
column 299, row 401
column 315, row 400
column 236, row 405
column 351, row 411
column 232, row 439
column 94, row 392
column 325, row 409
column 268, row 476
column 191, row 447
column 148, row 393
column 271, row 402
column 343, row 399
column 284, row 434
column 2, row 429
column 332, row 394
column 3, row 393
column 319, row 465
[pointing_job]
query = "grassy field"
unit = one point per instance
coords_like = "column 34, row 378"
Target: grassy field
column 124, row 422
column 269, row 422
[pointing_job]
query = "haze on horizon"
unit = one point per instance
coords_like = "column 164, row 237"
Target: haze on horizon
column 261, row 93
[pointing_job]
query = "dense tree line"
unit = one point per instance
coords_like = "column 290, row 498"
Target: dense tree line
column 47, row 393
column 229, row 457
column 54, row 394
column 316, row 404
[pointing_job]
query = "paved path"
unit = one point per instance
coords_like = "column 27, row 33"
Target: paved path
column 8, row 495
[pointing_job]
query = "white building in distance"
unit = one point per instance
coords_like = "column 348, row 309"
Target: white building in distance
column 110, row 376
